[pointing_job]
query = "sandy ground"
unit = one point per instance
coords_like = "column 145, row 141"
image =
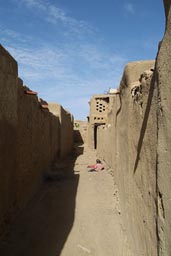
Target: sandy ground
column 74, row 215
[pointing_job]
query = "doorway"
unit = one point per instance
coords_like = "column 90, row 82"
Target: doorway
column 95, row 134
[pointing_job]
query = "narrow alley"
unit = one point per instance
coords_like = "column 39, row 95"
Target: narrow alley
column 73, row 215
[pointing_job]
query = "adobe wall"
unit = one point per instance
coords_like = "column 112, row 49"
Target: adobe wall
column 90, row 137
column 128, row 144
column 32, row 138
column 163, row 80
column 106, row 135
column 8, row 134
column 37, row 144
column 136, row 144
column 141, row 146
column 100, row 107
column 66, row 122
column 80, row 131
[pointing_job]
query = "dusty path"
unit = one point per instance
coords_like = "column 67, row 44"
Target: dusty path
column 75, row 215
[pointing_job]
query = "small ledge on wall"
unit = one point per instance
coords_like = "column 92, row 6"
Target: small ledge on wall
column 44, row 106
column 29, row 92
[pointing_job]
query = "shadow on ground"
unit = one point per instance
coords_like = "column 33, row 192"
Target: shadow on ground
column 43, row 227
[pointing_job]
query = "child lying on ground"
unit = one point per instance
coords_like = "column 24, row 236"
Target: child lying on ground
column 96, row 167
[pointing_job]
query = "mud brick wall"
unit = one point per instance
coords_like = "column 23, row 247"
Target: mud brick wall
column 141, row 154
column 37, row 143
column 163, row 80
column 80, row 131
column 31, row 139
column 106, row 135
column 66, row 135
column 128, row 144
column 8, row 134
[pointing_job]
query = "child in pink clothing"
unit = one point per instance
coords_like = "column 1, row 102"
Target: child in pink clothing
column 96, row 167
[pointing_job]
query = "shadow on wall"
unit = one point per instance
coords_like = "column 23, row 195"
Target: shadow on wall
column 78, row 137
column 43, row 227
column 7, row 168
column 145, row 121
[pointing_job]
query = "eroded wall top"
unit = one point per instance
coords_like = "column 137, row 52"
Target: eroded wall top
column 8, row 64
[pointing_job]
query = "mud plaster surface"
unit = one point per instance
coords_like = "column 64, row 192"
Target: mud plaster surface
column 75, row 215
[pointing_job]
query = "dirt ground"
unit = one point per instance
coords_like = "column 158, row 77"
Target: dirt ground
column 74, row 214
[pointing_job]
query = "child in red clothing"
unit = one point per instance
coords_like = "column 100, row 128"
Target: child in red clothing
column 96, row 167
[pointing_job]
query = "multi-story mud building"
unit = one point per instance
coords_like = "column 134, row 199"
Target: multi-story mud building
column 100, row 107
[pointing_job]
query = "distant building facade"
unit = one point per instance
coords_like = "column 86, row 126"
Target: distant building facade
column 100, row 107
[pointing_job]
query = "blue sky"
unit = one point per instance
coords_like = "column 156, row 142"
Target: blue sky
column 68, row 50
